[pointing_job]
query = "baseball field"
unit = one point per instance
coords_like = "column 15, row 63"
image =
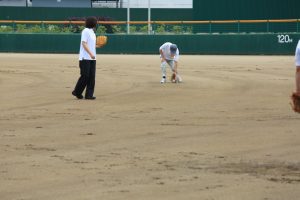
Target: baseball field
column 227, row 132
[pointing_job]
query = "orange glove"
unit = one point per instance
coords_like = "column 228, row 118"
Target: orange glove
column 173, row 78
column 101, row 41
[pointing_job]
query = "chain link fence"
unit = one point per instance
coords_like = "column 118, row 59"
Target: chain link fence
column 157, row 27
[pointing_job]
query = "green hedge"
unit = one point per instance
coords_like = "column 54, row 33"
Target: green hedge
column 101, row 29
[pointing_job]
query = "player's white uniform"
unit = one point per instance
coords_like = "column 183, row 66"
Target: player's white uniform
column 297, row 55
column 165, row 48
column 89, row 37
column 167, row 52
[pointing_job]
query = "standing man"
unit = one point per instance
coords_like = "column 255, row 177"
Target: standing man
column 296, row 95
column 87, row 61
column 169, row 54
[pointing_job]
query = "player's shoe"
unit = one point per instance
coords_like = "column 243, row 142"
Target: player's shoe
column 90, row 98
column 163, row 80
column 79, row 96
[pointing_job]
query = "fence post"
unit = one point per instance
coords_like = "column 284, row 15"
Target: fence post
column 210, row 27
column 43, row 26
column 268, row 28
column 14, row 26
column 238, row 26
column 297, row 25
column 70, row 27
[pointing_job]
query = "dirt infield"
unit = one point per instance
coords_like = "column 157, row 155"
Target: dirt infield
column 226, row 132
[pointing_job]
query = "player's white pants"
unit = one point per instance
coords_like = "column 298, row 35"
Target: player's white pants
column 163, row 66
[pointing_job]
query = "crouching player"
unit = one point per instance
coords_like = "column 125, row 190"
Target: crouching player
column 169, row 55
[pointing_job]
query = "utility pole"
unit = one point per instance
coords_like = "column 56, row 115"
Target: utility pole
column 128, row 17
column 149, row 18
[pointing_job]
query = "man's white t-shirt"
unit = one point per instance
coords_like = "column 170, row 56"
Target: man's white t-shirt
column 297, row 55
column 167, row 53
column 89, row 37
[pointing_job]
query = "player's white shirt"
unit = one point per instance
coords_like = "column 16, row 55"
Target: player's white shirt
column 167, row 53
column 88, row 36
column 297, row 55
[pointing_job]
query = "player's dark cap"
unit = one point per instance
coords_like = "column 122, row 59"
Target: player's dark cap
column 173, row 48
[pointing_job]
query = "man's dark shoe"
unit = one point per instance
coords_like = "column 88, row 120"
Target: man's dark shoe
column 90, row 98
column 76, row 95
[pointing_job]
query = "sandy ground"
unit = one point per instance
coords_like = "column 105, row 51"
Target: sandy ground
column 226, row 132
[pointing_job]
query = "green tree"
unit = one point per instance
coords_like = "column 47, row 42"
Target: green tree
column 161, row 28
column 5, row 29
column 177, row 29
column 101, row 30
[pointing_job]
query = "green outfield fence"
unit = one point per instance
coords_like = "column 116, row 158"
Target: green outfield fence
column 238, row 44
column 269, row 37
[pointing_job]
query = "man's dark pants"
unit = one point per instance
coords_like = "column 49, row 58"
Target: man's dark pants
column 87, row 78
